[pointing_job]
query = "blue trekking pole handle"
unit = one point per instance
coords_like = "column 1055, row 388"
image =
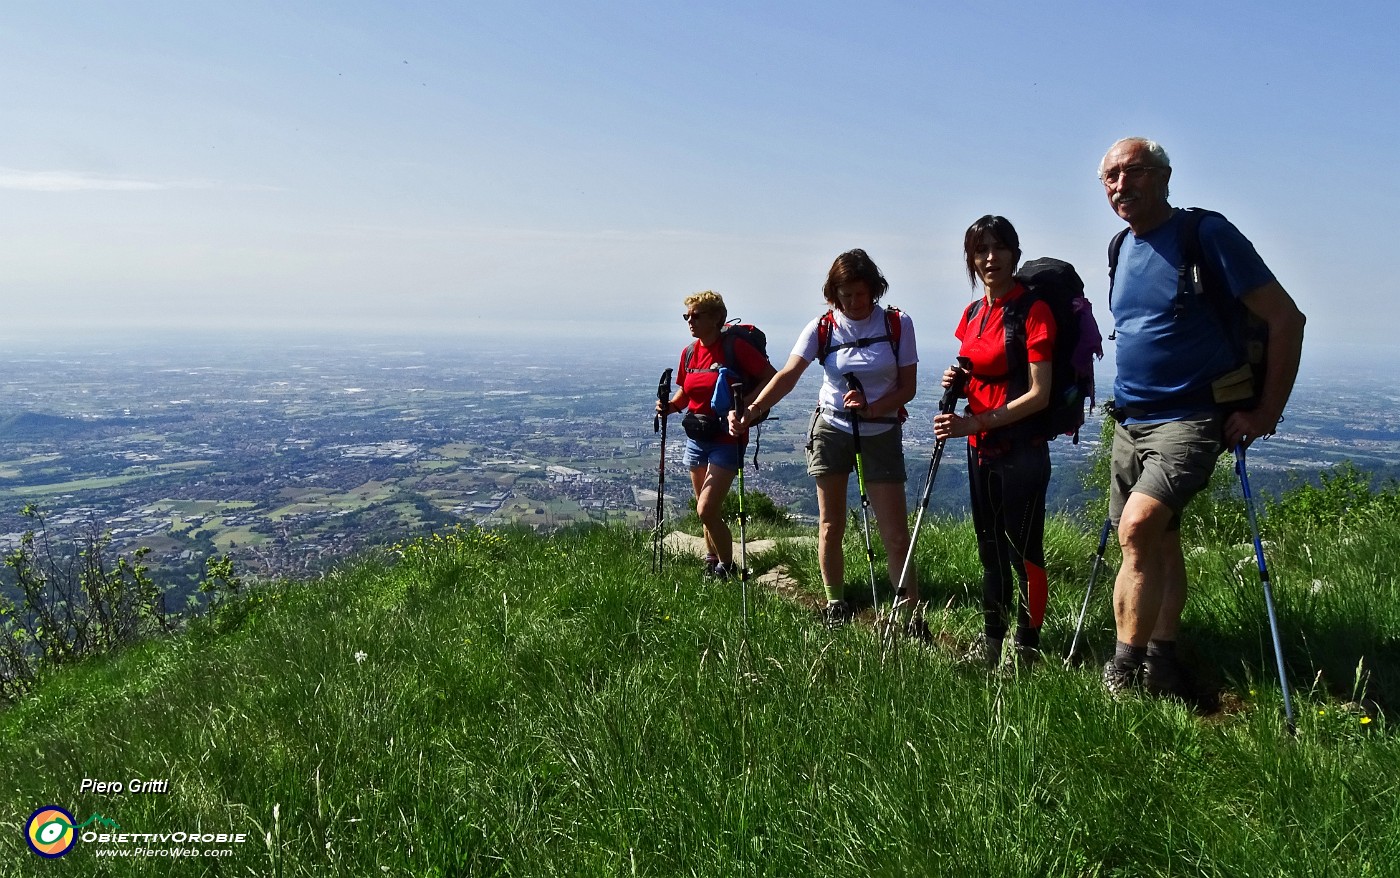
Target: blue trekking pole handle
column 1241, row 471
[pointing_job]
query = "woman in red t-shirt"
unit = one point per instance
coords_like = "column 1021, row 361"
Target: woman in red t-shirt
column 1008, row 470
column 712, row 455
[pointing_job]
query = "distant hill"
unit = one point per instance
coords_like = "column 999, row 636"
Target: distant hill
column 38, row 426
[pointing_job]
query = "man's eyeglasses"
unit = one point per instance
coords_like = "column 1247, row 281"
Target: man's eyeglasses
column 1129, row 172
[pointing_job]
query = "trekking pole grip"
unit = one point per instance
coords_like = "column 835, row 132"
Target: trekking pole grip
column 853, row 383
column 949, row 402
column 663, row 399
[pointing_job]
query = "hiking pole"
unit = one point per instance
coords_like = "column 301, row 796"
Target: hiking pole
column 946, row 405
column 743, row 551
column 658, row 424
column 1268, row 590
column 853, row 383
column 743, row 536
column 1093, row 576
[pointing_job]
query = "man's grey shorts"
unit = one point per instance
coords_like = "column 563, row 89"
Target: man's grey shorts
column 834, row 451
column 1170, row 461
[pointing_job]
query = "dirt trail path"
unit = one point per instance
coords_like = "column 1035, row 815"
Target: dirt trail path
column 776, row 579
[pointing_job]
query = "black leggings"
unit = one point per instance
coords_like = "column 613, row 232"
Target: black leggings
column 1008, row 512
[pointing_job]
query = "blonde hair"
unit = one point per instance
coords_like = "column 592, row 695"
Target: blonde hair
column 708, row 301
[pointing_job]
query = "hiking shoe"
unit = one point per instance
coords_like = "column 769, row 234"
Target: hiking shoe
column 984, row 652
column 1120, row 681
column 1163, row 677
column 720, row 571
column 1021, row 658
column 917, row 629
column 835, row 614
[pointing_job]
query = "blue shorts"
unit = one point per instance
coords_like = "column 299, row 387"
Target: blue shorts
column 725, row 455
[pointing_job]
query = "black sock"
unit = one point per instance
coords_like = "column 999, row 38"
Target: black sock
column 1163, row 648
column 1128, row 657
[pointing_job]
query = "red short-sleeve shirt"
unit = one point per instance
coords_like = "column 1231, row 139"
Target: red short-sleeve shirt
column 984, row 344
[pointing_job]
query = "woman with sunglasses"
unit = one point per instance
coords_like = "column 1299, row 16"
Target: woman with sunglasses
column 712, row 455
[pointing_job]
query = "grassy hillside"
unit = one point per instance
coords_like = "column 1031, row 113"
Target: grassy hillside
column 504, row 704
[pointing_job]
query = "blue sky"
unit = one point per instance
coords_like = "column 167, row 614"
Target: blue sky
column 485, row 169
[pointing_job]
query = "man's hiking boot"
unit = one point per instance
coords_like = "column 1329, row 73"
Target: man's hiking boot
column 1121, row 681
column 720, row 571
column 835, row 614
column 985, row 652
column 1163, row 677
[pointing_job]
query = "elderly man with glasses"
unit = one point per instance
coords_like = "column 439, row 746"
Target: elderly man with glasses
column 1178, row 279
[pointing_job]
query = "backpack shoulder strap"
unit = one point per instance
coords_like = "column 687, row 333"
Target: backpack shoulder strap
column 1114, row 246
column 727, row 338
column 1199, row 275
column 893, row 327
column 1014, row 315
column 825, row 325
column 686, row 356
column 1192, row 253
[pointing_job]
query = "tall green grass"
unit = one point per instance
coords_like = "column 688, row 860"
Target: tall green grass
column 504, row 704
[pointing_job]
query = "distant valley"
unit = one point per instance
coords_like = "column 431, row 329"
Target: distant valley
column 288, row 456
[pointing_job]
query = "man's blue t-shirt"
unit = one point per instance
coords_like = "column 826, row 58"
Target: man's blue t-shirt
column 1164, row 351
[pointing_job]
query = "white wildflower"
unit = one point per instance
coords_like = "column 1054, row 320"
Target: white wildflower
column 360, row 657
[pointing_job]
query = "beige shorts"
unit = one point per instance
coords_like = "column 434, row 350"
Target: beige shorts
column 1170, row 461
column 834, row 451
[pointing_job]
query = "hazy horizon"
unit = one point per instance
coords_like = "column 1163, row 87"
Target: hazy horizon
column 479, row 168
column 653, row 352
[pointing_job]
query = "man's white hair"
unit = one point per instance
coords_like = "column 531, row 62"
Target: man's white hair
column 1152, row 147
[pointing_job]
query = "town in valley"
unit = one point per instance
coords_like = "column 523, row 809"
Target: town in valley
column 287, row 456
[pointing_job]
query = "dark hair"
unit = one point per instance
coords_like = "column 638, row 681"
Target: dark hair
column 852, row 266
column 1002, row 232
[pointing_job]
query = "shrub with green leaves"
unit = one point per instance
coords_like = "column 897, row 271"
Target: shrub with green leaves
column 1343, row 498
column 66, row 599
column 69, row 599
column 759, row 510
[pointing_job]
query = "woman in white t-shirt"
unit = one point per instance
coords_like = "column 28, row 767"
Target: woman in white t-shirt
column 856, row 336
